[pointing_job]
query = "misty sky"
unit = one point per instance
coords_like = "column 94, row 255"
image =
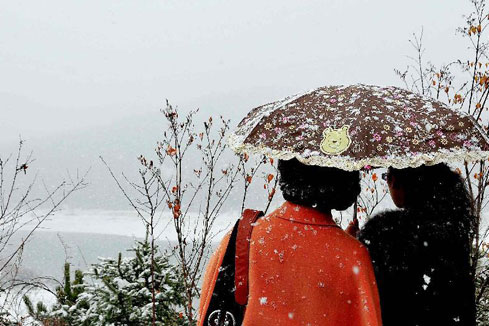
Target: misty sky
column 68, row 65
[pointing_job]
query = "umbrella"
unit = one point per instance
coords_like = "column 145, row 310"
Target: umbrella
column 350, row 127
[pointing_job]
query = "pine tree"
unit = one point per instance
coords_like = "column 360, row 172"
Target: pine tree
column 121, row 293
column 68, row 304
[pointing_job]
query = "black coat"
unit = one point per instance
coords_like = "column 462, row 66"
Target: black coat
column 421, row 263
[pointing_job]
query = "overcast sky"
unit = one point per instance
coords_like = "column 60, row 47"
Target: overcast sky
column 68, row 65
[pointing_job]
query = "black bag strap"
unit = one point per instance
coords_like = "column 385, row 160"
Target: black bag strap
column 223, row 310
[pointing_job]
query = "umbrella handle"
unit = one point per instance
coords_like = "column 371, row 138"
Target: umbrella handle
column 355, row 211
column 352, row 228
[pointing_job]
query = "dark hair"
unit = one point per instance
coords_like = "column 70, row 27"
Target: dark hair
column 316, row 186
column 437, row 193
column 432, row 187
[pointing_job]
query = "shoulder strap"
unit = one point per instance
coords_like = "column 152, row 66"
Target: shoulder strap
column 222, row 308
column 245, row 227
column 228, row 300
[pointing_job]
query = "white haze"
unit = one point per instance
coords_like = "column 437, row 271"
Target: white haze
column 79, row 79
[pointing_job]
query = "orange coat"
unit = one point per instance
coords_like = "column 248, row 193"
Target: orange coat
column 304, row 270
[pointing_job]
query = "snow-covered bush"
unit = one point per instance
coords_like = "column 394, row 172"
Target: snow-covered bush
column 121, row 293
column 68, row 305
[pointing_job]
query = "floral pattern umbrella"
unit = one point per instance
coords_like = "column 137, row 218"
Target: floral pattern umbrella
column 350, row 127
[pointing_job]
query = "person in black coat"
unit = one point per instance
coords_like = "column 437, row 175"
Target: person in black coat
column 421, row 253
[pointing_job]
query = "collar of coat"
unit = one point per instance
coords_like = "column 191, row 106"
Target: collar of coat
column 303, row 214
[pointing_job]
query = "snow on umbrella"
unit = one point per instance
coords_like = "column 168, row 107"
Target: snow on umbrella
column 350, row 127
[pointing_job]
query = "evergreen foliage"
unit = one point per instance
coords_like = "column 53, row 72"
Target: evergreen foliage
column 68, row 305
column 120, row 294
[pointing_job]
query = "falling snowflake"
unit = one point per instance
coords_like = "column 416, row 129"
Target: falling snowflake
column 427, row 280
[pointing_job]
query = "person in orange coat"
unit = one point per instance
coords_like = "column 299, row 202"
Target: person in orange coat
column 304, row 269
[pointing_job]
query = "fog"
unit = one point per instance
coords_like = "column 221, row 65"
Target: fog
column 79, row 79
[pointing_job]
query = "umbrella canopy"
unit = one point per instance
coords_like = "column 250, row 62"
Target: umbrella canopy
column 350, row 127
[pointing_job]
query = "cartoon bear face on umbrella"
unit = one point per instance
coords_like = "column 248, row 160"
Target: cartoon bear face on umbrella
column 335, row 141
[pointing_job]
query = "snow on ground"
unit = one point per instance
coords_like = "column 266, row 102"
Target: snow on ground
column 18, row 308
column 124, row 223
